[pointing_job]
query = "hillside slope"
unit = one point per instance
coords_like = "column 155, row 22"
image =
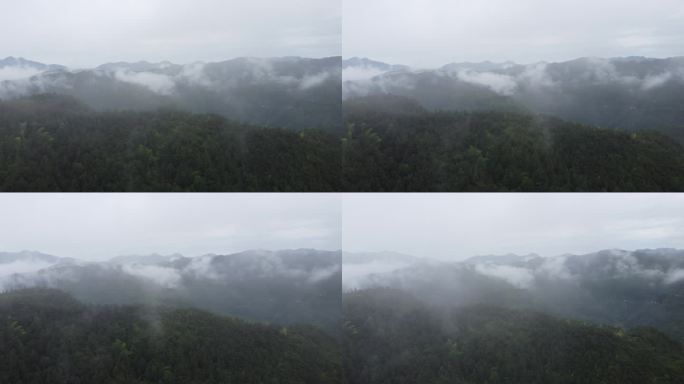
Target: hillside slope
column 393, row 144
column 391, row 337
column 48, row 337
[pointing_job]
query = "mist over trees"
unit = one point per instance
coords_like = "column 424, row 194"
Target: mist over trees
column 394, row 144
column 55, row 143
column 48, row 337
column 284, row 287
column 290, row 92
column 584, row 125
column 255, row 316
column 392, row 337
column 630, row 93
column 612, row 316
column 623, row 289
column 277, row 125
column 250, row 317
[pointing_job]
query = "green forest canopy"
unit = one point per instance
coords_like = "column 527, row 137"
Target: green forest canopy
column 48, row 337
column 53, row 143
column 391, row 337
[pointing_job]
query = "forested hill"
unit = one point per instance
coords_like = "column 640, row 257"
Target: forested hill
column 390, row 337
column 54, row 143
column 393, row 144
column 48, row 337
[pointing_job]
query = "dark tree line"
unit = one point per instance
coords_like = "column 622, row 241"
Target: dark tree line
column 53, row 143
column 390, row 337
column 394, row 145
column 48, row 337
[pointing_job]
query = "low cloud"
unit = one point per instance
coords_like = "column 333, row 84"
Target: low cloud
column 162, row 276
column 20, row 271
column 536, row 75
column 158, row 83
column 322, row 274
column 655, row 81
column 510, row 80
column 18, row 73
column 356, row 275
column 200, row 267
column 195, row 74
column 360, row 73
column 297, row 265
column 518, row 277
column 499, row 83
column 674, row 276
column 165, row 78
column 312, row 81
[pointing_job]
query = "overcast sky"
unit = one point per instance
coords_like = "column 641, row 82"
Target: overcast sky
column 457, row 226
column 100, row 226
column 430, row 33
column 84, row 33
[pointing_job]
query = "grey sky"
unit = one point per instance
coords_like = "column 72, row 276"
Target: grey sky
column 83, row 33
column 457, row 226
column 430, row 33
column 100, row 226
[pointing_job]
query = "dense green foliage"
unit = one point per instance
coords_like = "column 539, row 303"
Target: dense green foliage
column 390, row 337
column 48, row 337
column 53, row 143
column 393, row 145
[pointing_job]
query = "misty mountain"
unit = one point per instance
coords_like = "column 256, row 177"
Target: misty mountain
column 509, row 258
column 49, row 337
column 16, row 264
column 153, row 258
column 360, row 266
column 386, row 256
column 28, row 257
column 20, row 62
column 392, row 337
column 615, row 287
column 360, row 69
column 290, row 92
column 281, row 287
column 631, row 93
column 141, row 66
column 482, row 66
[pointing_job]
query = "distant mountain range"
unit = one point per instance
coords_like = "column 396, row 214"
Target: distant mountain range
column 617, row 287
column 628, row 93
column 20, row 62
column 281, row 287
column 290, row 92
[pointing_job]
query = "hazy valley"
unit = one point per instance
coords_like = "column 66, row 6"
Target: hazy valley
column 609, row 316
